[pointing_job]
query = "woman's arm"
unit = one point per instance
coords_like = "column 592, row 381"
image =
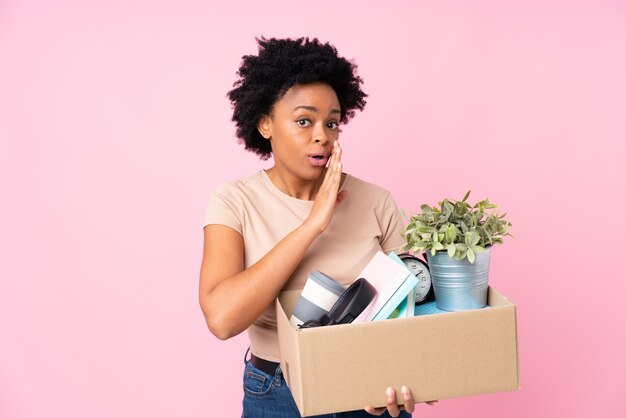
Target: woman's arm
column 231, row 298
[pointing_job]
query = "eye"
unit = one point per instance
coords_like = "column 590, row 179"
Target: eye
column 333, row 125
column 303, row 122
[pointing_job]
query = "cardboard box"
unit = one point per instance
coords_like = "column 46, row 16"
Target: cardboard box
column 345, row 367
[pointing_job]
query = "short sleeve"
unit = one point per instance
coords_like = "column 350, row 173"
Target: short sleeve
column 391, row 226
column 224, row 209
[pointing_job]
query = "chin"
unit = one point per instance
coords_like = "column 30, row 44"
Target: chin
column 315, row 173
column 307, row 172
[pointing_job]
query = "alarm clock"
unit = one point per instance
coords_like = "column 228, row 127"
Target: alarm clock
column 424, row 289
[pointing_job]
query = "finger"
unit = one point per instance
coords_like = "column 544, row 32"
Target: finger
column 336, row 163
column 335, row 156
column 432, row 403
column 392, row 408
column 407, row 397
column 337, row 174
column 339, row 150
column 332, row 180
column 330, row 169
column 374, row 411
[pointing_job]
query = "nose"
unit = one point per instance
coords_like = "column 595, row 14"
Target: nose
column 320, row 136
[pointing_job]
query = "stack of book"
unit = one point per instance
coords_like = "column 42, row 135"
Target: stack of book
column 394, row 283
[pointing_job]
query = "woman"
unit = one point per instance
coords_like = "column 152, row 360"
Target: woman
column 265, row 233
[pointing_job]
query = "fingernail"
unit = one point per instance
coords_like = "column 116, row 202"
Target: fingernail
column 389, row 392
column 405, row 390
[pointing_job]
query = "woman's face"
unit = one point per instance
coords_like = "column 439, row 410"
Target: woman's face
column 302, row 129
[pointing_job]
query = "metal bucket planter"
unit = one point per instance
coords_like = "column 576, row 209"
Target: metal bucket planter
column 460, row 285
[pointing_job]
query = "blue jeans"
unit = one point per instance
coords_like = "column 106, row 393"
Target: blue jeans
column 267, row 396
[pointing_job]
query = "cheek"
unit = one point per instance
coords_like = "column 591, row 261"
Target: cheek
column 332, row 134
column 287, row 130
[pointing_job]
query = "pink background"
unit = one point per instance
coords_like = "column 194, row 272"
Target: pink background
column 115, row 130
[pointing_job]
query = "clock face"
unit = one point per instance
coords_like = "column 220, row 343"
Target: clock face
column 419, row 268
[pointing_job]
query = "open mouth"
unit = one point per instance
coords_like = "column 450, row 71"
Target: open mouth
column 318, row 159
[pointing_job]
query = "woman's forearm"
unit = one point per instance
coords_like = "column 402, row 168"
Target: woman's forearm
column 237, row 301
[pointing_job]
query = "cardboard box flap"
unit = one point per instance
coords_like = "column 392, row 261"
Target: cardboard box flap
column 288, row 299
column 497, row 299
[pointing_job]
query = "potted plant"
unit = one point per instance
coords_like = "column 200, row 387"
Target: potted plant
column 457, row 239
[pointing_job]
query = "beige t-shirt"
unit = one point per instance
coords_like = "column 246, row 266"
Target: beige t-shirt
column 367, row 221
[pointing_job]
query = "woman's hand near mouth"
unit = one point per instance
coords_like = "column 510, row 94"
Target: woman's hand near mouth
column 327, row 196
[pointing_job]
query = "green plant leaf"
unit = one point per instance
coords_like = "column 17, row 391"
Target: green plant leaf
column 466, row 196
column 471, row 256
column 474, row 238
column 461, row 247
column 468, row 240
column 454, row 232
column 450, row 233
column 451, row 250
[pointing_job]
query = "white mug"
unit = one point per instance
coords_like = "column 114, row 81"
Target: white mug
column 317, row 298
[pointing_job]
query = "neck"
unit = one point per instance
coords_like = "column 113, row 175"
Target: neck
column 293, row 186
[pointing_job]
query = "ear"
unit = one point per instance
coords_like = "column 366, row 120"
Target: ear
column 265, row 126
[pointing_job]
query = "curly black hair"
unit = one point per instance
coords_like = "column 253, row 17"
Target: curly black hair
column 281, row 63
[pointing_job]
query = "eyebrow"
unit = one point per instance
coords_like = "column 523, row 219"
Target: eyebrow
column 314, row 109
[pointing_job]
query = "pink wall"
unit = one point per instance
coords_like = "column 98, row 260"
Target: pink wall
column 115, row 129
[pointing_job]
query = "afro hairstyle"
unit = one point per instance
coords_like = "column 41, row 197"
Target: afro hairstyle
column 265, row 78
